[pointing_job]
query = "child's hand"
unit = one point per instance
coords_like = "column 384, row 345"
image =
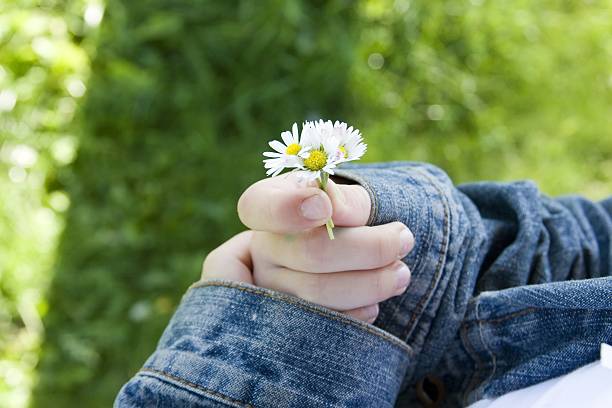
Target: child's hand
column 290, row 251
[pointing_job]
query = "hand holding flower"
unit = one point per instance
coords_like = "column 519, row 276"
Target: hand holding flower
column 289, row 251
column 315, row 153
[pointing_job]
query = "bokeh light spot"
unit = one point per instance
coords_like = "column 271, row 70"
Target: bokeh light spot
column 376, row 60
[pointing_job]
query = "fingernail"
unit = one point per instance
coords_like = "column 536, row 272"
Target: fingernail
column 402, row 275
column 406, row 242
column 314, row 208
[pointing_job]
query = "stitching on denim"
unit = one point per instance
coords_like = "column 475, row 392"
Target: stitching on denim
column 472, row 351
column 229, row 284
column 479, row 363
column 502, row 319
column 419, row 307
column 397, row 306
column 242, row 404
column 384, row 319
column 421, row 248
column 484, row 344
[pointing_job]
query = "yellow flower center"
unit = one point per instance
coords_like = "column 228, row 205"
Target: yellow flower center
column 316, row 160
column 293, row 148
column 343, row 150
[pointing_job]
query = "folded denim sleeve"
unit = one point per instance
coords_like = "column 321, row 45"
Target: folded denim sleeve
column 236, row 345
column 496, row 269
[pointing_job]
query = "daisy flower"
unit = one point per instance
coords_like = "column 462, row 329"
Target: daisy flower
column 322, row 155
column 289, row 154
column 350, row 142
column 314, row 154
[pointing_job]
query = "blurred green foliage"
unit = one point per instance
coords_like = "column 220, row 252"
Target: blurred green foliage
column 43, row 66
column 181, row 100
column 490, row 90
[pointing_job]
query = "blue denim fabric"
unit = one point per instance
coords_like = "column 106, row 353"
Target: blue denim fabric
column 509, row 288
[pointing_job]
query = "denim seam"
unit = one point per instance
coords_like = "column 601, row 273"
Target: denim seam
column 478, row 362
column 285, row 298
column 398, row 306
column 439, row 266
column 502, row 319
column 472, row 351
column 241, row 404
column 485, row 345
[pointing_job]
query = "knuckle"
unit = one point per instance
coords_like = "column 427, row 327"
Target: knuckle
column 310, row 287
column 312, row 250
column 385, row 248
column 380, row 288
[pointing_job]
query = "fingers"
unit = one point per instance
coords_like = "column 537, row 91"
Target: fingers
column 281, row 204
column 367, row 314
column 231, row 260
column 341, row 290
column 356, row 248
column 351, row 204
column 284, row 205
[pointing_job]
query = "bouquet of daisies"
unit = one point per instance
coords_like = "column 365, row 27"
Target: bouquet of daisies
column 316, row 152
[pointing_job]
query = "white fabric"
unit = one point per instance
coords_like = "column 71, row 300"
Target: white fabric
column 588, row 386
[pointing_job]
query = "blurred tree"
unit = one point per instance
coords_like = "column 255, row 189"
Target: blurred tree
column 182, row 97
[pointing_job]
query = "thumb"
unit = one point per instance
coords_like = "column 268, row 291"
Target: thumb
column 351, row 204
column 231, row 260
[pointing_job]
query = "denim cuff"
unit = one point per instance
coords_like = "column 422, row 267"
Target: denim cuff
column 241, row 345
column 418, row 195
column 423, row 198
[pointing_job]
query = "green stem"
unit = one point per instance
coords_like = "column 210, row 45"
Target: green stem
column 329, row 224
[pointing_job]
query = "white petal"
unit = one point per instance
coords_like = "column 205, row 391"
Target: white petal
column 278, row 146
column 273, row 154
column 286, row 136
column 296, row 133
column 311, row 137
column 274, row 162
column 330, row 145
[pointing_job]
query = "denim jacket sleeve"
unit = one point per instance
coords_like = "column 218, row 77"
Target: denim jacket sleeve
column 509, row 287
column 233, row 344
column 236, row 345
